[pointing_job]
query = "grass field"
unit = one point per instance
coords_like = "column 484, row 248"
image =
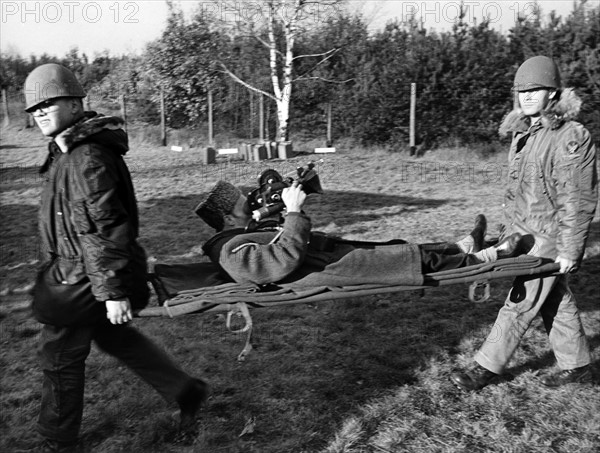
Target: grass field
column 361, row 375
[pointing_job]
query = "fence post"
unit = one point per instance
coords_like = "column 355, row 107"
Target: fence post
column 5, row 108
column 163, row 122
column 209, row 153
column 210, row 118
column 413, row 108
column 329, row 141
column 123, row 109
column 261, row 118
column 251, row 131
column 267, row 120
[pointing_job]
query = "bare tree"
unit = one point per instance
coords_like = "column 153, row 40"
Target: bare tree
column 275, row 24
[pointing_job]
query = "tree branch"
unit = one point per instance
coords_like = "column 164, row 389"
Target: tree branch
column 319, row 63
column 302, row 78
column 245, row 84
column 315, row 54
column 266, row 44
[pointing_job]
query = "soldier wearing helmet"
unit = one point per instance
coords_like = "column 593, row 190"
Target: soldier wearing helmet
column 53, row 96
column 50, row 81
column 551, row 198
column 94, row 271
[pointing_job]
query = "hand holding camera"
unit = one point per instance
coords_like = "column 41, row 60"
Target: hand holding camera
column 293, row 197
column 274, row 192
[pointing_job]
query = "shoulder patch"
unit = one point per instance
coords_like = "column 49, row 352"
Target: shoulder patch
column 575, row 140
column 572, row 147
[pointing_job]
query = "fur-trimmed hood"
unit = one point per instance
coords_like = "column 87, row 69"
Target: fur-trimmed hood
column 558, row 112
column 107, row 130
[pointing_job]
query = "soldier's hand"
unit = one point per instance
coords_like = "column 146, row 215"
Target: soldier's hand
column 566, row 265
column 119, row 311
column 293, row 197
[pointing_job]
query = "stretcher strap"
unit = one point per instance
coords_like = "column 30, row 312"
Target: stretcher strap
column 242, row 308
column 479, row 291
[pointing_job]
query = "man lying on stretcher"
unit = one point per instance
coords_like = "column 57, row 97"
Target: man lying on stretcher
column 291, row 254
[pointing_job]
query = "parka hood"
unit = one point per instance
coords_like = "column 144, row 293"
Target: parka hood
column 558, row 112
column 106, row 130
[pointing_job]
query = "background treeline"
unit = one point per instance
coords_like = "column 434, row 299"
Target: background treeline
column 464, row 76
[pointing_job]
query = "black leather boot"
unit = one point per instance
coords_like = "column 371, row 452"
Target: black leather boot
column 55, row 446
column 190, row 401
column 475, row 379
column 581, row 375
column 478, row 233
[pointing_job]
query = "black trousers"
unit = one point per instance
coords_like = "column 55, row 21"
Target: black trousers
column 444, row 256
column 63, row 351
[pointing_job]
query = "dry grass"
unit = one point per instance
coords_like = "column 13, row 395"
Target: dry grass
column 368, row 375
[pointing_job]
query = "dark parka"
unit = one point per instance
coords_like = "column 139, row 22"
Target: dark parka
column 88, row 217
column 552, row 188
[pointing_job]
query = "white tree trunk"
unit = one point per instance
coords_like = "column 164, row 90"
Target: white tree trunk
column 283, row 88
column 288, row 13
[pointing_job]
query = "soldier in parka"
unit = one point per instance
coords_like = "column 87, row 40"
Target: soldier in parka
column 551, row 198
column 94, row 270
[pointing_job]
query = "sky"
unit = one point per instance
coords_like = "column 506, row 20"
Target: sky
column 124, row 27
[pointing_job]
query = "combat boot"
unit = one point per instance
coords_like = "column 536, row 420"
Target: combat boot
column 475, row 379
column 581, row 375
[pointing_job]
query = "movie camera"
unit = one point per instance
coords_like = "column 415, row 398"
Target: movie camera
column 266, row 201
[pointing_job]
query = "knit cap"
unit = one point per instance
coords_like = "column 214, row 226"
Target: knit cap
column 219, row 202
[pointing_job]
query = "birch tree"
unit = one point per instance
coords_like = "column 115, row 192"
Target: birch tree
column 280, row 23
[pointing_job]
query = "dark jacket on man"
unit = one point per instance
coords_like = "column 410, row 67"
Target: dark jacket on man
column 89, row 226
column 88, row 222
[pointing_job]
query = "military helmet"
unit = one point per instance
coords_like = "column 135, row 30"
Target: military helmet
column 537, row 72
column 50, row 81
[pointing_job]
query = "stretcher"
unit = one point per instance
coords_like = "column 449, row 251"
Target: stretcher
column 183, row 289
